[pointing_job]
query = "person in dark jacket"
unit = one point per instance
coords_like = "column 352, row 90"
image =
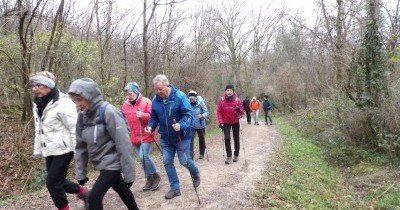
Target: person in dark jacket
column 171, row 111
column 200, row 114
column 107, row 145
column 246, row 106
column 229, row 111
column 267, row 107
column 55, row 120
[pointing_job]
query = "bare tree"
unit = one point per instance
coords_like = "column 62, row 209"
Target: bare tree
column 235, row 36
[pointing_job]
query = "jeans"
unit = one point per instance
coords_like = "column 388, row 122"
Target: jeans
column 202, row 143
column 106, row 180
column 255, row 115
column 227, row 134
column 143, row 151
column 183, row 150
column 56, row 182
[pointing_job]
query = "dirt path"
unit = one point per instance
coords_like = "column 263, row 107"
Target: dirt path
column 222, row 186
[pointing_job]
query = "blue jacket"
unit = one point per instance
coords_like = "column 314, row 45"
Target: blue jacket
column 199, row 108
column 163, row 112
column 267, row 105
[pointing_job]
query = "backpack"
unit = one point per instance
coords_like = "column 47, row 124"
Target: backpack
column 102, row 118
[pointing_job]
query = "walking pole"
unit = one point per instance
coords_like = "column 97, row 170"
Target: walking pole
column 223, row 143
column 204, row 136
column 158, row 146
column 241, row 136
column 141, row 145
column 184, row 153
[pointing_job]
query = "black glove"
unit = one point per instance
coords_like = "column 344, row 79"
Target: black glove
column 221, row 125
column 83, row 181
column 237, row 110
column 128, row 184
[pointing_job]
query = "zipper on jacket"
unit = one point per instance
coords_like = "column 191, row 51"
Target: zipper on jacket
column 166, row 120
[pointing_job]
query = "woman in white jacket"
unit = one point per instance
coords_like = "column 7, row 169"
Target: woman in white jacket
column 55, row 120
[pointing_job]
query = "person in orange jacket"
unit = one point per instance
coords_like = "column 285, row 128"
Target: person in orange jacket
column 255, row 108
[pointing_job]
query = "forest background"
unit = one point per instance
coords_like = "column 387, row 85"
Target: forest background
column 337, row 77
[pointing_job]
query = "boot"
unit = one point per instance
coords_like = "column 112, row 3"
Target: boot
column 149, row 182
column 196, row 181
column 228, row 160
column 83, row 194
column 235, row 158
column 172, row 193
column 156, row 182
column 65, row 208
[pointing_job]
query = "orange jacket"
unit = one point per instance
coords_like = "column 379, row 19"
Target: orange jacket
column 255, row 104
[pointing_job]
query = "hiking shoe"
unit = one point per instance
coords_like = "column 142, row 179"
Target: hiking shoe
column 235, row 159
column 201, row 156
column 156, row 182
column 172, row 194
column 83, row 195
column 149, row 182
column 196, row 181
column 228, row 160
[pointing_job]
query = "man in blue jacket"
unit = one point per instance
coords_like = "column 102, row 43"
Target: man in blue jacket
column 171, row 111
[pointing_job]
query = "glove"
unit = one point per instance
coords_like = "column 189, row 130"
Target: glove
column 128, row 184
column 83, row 181
column 139, row 113
column 147, row 129
column 237, row 110
column 221, row 125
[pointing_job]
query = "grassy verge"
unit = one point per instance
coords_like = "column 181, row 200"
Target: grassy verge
column 299, row 178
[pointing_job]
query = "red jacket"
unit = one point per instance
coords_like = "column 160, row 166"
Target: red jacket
column 226, row 110
column 144, row 104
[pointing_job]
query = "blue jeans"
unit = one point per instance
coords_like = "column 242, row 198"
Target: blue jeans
column 148, row 165
column 169, row 150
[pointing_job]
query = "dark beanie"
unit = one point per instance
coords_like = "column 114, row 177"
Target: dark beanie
column 230, row 86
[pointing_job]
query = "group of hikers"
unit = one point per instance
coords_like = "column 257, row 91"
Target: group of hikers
column 107, row 136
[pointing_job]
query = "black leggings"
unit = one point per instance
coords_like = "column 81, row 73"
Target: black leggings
column 56, row 182
column 106, row 180
column 202, row 143
column 227, row 134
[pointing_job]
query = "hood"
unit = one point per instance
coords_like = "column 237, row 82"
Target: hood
column 88, row 89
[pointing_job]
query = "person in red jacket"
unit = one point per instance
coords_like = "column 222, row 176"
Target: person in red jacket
column 229, row 111
column 137, row 112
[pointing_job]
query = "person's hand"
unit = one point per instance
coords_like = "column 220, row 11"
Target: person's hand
column 237, row 110
column 147, row 129
column 176, row 126
column 128, row 184
column 83, row 181
column 139, row 113
column 200, row 116
column 36, row 156
column 221, row 125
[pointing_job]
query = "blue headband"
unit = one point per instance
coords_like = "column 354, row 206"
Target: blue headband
column 133, row 86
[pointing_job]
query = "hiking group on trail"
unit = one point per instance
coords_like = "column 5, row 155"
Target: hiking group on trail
column 109, row 137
